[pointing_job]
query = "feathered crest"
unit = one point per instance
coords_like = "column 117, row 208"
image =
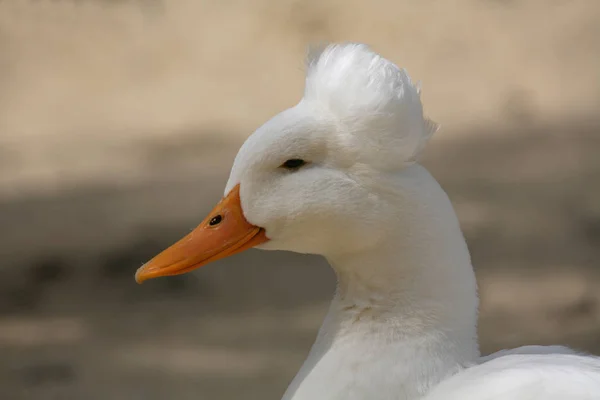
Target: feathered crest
column 373, row 101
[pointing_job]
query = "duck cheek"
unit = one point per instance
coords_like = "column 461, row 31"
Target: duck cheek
column 255, row 209
column 291, row 236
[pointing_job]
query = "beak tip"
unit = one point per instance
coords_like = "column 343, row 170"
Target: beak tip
column 139, row 275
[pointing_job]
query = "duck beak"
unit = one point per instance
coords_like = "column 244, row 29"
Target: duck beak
column 224, row 232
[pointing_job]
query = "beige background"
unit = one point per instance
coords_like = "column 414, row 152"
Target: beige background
column 119, row 121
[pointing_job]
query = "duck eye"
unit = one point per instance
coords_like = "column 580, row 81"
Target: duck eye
column 216, row 220
column 293, row 164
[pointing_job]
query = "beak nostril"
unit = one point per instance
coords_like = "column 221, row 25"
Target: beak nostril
column 208, row 242
column 216, row 220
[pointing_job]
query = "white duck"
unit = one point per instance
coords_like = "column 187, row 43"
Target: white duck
column 337, row 175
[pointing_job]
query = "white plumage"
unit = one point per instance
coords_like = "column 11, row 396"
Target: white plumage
column 403, row 322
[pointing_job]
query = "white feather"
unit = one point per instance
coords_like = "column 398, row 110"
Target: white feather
column 404, row 317
column 372, row 101
column 525, row 377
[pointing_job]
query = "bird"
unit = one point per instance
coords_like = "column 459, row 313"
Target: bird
column 338, row 175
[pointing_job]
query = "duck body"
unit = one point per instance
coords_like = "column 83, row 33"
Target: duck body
column 337, row 175
column 550, row 374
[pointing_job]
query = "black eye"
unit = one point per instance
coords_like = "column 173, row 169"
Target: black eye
column 293, row 164
column 216, row 220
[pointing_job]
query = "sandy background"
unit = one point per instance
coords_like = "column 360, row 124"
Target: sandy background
column 119, row 121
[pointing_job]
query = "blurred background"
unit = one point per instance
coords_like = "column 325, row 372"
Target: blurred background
column 119, row 121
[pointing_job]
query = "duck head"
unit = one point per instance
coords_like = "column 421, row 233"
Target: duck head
column 314, row 178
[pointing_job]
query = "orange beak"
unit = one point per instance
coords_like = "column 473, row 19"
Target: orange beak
column 223, row 233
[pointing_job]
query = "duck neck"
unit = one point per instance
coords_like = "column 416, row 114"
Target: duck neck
column 406, row 295
column 405, row 311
